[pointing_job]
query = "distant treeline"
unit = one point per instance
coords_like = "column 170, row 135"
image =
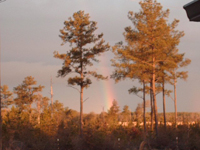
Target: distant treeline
column 45, row 130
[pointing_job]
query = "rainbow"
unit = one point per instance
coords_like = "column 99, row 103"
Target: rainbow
column 108, row 93
column 107, row 85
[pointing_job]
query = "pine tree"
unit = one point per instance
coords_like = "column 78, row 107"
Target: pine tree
column 151, row 41
column 26, row 94
column 135, row 91
column 175, row 74
column 126, row 114
column 79, row 32
column 138, row 113
column 41, row 103
column 6, row 100
column 6, row 97
column 113, row 113
column 162, row 79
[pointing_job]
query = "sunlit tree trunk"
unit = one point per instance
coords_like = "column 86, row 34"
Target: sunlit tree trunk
column 164, row 106
column 30, row 114
column 154, row 97
column 81, row 97
column 175, row 99
column 81, row 112
column 152, row 106
column 144, row 109
column 39, row 108
column 51, row 99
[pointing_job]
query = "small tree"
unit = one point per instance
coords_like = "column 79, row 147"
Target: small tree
column 42, row 103
column 113, row 113
column 138, row 113
column 26, row 94
column 6, row 97
column 79, row 32
column 175, row 74
column 126, row 114
column 6, row 100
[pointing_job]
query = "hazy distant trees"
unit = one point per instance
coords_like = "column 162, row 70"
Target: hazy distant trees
column 85, row 47
column 151, row 43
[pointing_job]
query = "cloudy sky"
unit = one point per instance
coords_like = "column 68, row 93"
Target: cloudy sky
column 29, row 32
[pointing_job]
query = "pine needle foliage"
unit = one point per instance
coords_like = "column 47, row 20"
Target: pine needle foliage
column 150, row 51
column 26, row 93
column 6, row 96
column 79, row 32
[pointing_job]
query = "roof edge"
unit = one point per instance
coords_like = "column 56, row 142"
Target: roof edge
column 190, row 3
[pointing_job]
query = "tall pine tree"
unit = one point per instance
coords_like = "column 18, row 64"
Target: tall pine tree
column 150, row 42
column 85, row 47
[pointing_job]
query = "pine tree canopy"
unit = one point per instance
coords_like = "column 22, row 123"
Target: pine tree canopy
column 6, row 96
column 26, row 92
column 79, row 31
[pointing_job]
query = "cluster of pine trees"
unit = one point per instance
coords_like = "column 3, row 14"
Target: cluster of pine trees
column 148, row 54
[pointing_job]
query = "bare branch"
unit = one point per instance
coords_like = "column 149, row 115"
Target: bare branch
column 74, row 88
column 171, row 97
column 139, row 96
column 86, row 99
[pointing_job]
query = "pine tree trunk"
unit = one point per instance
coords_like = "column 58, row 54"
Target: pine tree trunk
column 164, row 112
column 81, row 97
column 81, row 112
column 38, row 107
column 152, row 106
column 175, row 102
column 30, row 115
column 154, row 97
column 103, row 117
column 51, row 99
column 144, row 109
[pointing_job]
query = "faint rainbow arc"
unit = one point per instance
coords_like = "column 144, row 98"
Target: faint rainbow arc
column 107, row 88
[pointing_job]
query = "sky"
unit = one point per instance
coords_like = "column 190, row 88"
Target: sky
column 29, row 34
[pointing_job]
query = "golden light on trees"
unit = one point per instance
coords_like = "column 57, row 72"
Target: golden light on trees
column 85, row 47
